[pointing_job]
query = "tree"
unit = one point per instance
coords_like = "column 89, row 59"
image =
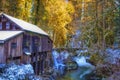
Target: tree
column 38, row 13
column 58, row 16
column 98, row 24
column 117, row 22
column 17, row 8
column 3, row 6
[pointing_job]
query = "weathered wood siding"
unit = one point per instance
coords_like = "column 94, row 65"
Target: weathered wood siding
column 12, row 25
column 26, row 59
column 46, row 44
column 36, row 43
column 32, row 42
column 40, row 48
column 13, row 48
column 2, row 55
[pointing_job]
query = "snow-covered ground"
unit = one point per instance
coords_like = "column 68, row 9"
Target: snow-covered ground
column 17, row 72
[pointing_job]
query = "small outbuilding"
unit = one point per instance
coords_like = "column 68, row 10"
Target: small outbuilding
column 23, row 42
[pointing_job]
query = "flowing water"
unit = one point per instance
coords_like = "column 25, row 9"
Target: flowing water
column 58, row 58
column 84, row 67
column 76, row 74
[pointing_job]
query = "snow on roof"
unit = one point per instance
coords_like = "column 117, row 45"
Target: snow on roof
column 5, row 35
column 26, row 26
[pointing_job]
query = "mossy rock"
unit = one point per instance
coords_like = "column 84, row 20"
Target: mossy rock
column 96, row 58
column 71, row 65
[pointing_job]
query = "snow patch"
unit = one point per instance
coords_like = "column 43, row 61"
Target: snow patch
column 16, row 72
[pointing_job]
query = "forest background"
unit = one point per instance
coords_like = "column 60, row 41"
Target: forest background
column 97, row 20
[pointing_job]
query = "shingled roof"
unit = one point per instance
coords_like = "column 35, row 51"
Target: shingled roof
column 25, row 25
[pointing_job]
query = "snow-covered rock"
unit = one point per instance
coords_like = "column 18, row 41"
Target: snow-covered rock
column 113, row 55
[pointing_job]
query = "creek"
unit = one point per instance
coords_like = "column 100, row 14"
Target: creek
column 75, row 73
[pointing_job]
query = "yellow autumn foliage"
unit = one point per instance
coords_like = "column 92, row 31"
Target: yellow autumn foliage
column 58, row 13
column 25, row 7
column 17, row 8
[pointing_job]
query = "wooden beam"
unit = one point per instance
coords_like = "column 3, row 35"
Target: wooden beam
column 36, row 62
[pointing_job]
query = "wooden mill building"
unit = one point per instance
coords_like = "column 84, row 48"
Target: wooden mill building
column 23, row 42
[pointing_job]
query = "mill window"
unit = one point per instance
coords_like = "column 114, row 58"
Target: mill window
column 26, row 43
column 7, row 25
column 14, row 27
column 0, row 25
column 13, row 45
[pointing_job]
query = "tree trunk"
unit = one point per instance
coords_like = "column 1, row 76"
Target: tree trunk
column 83, row 6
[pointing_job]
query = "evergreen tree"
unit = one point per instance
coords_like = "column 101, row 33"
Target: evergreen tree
column 117, row 21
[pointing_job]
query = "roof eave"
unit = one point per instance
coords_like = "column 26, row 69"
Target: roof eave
column 3, row 41
column 36, row 33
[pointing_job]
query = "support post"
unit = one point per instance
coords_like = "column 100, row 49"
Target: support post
column 36, row 63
